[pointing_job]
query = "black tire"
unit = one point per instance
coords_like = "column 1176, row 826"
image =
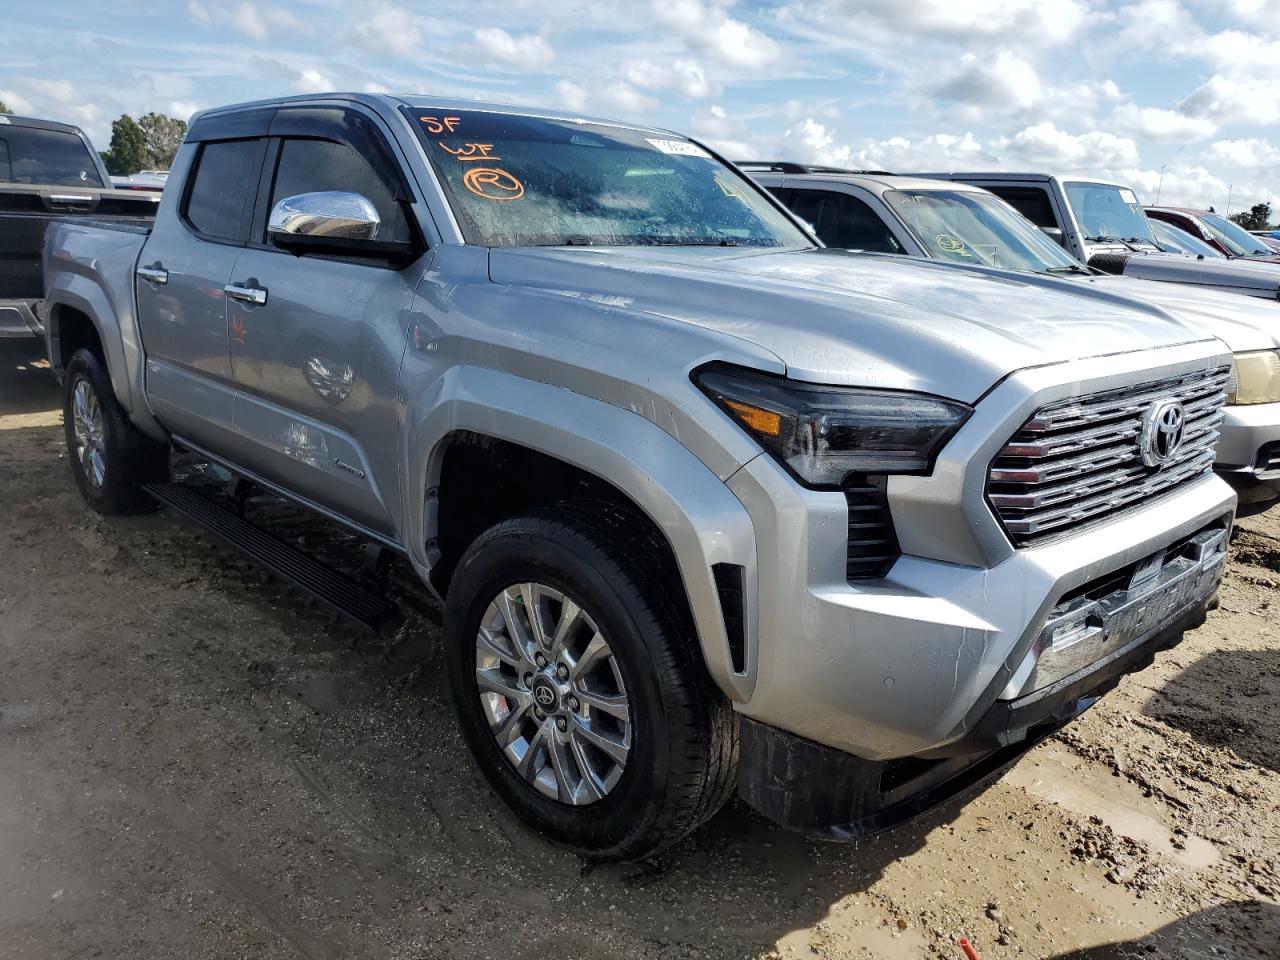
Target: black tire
column 684, row 755
column 130, row 458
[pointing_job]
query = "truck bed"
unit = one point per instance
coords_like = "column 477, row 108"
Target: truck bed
column 25, row 214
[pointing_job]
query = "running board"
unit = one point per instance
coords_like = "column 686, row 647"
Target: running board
column 335, row 590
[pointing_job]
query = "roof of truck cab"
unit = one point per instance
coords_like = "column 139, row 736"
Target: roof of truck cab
column 424, row 101
column 1003, row 177
column 9, row 119
column 876, row 182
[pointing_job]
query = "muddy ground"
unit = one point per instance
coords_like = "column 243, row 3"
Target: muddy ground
column 197, row 762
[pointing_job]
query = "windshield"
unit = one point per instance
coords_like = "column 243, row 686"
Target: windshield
column 46, row 157
column 1234, row 237
column 1108, row 212
column 1173, row 239
column 978, row 228
column 525, row 181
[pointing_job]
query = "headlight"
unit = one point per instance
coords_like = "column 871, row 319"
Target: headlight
column 1255, row 378
column 822, row 434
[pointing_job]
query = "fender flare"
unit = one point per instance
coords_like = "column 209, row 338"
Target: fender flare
column 123, row 352
column 702, row 519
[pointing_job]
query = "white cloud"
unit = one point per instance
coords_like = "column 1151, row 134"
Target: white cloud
column 1249, row 154
column 708, row 28
column 1036, row 23
column 687, row 76
column 938, row 152
column 625, row 98
column 16, row 102
column 1226, row 101
column 64, row 100
column 311, row 80
column 571, row 96
column 182, row 109
column 1157, row 123
column 530, row 52
column 389, row 29
column 1004, row 82
column 199, row 13
column 1044, row 145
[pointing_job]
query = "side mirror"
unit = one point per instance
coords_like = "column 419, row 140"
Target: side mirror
column 330, row 221
column 1054, row 234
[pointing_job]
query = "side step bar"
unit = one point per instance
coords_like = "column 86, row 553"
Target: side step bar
column 335, row 590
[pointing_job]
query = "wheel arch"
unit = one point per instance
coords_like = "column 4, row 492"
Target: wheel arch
column 612, row 453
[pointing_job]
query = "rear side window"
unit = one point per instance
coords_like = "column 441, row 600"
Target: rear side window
column 46, row 157
column 844, row 222
column 226, row 175
column 1031, row 202
column 311, row 166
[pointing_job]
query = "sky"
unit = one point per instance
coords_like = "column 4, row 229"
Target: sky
column 1178, row 98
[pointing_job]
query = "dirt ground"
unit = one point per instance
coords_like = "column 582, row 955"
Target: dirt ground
column 198, row 762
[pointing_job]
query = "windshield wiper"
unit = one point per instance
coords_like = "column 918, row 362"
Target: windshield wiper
column 1126, row 243
column 1074, row 268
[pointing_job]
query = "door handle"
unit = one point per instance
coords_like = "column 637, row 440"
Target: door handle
column 154, row 274
column 254, row 295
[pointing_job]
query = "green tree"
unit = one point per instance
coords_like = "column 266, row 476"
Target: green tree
column 4, row 108
column 163, row 137
column 1258, row 218
column 128, row 151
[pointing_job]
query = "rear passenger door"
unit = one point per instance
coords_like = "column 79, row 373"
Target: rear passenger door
column 317, row 362
column 182, row 311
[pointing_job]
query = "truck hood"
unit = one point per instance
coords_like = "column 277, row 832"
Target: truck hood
column 1243, row 323
column 841, row 318
column 1254, row 278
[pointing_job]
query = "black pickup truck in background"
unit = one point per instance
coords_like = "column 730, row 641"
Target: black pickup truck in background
column 48, row 171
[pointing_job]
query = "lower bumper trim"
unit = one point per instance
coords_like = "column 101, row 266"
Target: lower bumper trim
column 826, row 793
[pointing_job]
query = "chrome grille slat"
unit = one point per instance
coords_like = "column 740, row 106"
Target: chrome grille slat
column 1077, row 461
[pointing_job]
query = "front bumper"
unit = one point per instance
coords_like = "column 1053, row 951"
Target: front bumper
column 1088, row 644
column 20, row 319
column 1249, row 451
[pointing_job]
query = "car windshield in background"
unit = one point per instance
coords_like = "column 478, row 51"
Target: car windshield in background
column 1107, row 212
column 1234, row 237
column 978, row 228
column 1173, row 239
column 46, row 157
column 532, row 181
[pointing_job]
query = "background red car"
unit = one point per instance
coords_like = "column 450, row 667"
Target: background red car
column 1216, row 230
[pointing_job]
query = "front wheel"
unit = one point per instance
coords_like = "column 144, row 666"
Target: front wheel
column 110, row 458
column 579, row 685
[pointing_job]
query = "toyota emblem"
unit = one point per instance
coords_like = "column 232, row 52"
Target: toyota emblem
column 1163, row 429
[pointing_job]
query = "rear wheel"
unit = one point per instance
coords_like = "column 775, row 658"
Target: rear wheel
column 579, row 684
column 110, row 458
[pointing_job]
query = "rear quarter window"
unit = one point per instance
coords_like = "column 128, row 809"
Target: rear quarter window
column 1032, row 202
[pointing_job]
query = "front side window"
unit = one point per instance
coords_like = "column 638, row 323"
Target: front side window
column 1235, row 237
column 977, row 228
column 1107, row 212
column 311, row 166
column 46, row 157
column 226, row 174
column 534, row 181
column 844, row 222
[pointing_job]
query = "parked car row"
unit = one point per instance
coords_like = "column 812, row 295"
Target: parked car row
column 709, row 506
column 964, row 223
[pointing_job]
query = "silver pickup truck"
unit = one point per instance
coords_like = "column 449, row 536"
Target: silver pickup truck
column 707, row 505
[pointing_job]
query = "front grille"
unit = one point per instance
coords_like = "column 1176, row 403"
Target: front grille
column 873, row 546
column 1077, row 461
